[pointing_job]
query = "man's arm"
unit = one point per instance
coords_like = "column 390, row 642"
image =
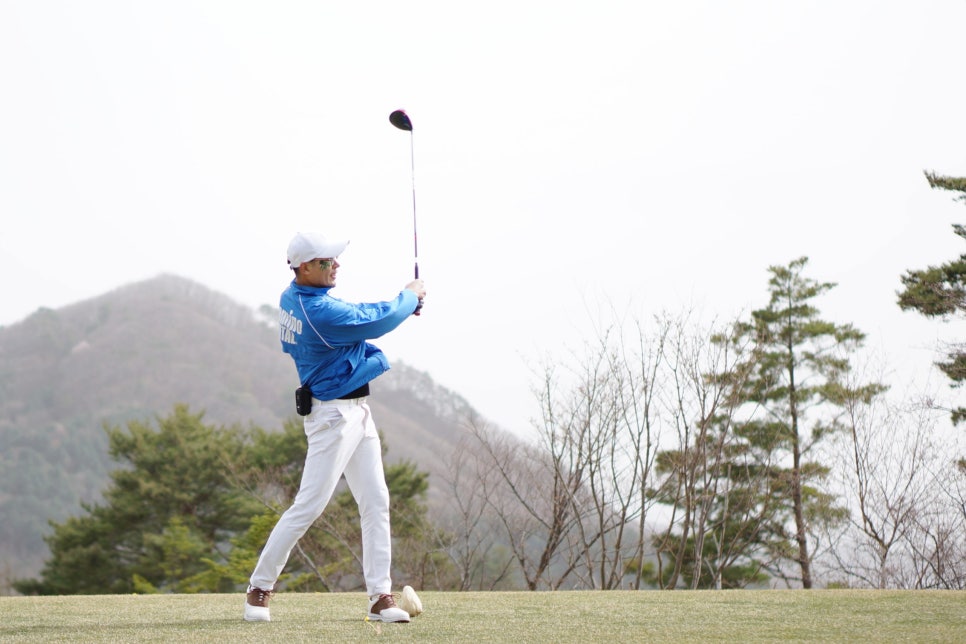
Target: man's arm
column 343, row 323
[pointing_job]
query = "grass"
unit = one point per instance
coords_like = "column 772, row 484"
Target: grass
column 517, row 617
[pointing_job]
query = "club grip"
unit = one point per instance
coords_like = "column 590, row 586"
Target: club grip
column 416, row 276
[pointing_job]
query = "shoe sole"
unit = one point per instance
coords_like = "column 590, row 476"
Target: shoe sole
column 380, row 618
column 255, row 617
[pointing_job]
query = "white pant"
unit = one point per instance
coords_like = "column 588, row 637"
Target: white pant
column 342, row 439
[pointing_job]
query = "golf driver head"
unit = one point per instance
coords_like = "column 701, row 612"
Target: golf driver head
column 401, row 120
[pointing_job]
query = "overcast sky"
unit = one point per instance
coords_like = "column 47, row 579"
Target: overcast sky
column 654, row 155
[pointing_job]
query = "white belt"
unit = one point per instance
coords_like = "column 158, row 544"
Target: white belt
column 341, row 402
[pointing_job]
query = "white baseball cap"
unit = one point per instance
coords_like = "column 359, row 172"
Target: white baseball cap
column 305, row 247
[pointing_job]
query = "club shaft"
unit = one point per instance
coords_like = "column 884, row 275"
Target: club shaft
column 412, row 166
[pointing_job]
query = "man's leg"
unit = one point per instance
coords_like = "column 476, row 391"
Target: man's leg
column 367, row 480
column 331, row 443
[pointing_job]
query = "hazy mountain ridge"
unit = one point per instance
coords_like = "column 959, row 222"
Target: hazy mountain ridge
column 133, row 353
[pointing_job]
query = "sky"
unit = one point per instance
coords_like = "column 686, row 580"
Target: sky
column 568, row 158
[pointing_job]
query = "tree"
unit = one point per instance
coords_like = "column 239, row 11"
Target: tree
column 940, row 292
column 793, row 395
column 192, row 504
column 597, row 431
column 168, row 507
column 529, row 494
column 471, row 529
column 885, row 459
column 717, row 501
column 574, row 503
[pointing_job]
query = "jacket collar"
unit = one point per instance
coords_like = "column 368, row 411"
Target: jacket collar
column 310, row 290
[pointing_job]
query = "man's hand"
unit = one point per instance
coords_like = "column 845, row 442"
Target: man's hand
column 417, row 287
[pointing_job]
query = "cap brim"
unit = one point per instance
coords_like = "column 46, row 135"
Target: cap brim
column 331, row 248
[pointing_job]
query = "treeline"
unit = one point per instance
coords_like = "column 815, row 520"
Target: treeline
column 751, row 452
column 669, row 455
column 745, row 454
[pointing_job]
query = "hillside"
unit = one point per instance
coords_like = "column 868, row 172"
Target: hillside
column 134, row 353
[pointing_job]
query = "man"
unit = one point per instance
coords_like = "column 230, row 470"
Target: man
column 327, row 338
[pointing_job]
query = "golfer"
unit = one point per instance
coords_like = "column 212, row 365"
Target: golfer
column 327, row 338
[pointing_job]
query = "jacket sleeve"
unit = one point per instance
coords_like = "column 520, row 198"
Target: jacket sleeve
column 342, row 323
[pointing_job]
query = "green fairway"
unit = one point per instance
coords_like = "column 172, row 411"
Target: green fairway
column 623, row 616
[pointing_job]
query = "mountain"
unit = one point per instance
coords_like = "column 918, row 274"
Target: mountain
column 135, row 352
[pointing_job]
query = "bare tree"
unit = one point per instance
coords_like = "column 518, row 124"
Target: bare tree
column 638, row 432
column 885, row 459
column 937, row 546
column 530, row 496
column 907, row 526
column 600, row 426
column 466, row 525
column 574, row 504
column 714, row 495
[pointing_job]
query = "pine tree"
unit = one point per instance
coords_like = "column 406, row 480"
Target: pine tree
column 940, row 292
column 169, row 507
column 796, row 383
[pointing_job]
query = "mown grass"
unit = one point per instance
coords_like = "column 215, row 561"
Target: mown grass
column 517, row 617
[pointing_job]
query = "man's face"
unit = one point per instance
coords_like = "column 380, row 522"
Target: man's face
column 320, row 272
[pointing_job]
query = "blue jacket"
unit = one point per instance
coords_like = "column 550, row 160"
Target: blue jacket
column 327, row 337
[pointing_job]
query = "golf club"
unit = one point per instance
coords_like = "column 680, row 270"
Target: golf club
column 401, row 120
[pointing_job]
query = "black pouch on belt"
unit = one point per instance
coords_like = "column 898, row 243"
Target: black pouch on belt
column 303, row 401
